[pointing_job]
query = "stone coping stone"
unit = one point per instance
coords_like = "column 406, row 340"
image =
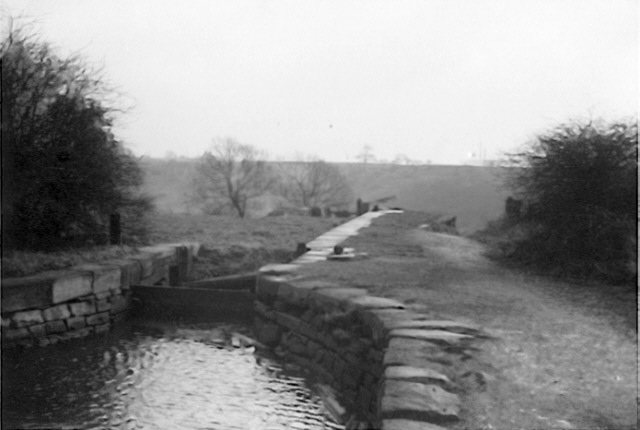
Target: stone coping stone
column 386, row 317
column 105, row 276
column 44, row 289
column 402, row 399
column 432, row 324
column 334, row 296
column 160, row 250
column 416, row 374
column 402, row 424
column 430, row 335
column 306, row 259
column 277, row 269
column 131, row 272
column 315, row 284
column 297, row 292
column 324, row 244
column 410, row 352
column 70, row 284
column 27, row 293
column 267, row 286
column 372, row 302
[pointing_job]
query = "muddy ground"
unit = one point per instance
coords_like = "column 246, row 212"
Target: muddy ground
column 560, row 355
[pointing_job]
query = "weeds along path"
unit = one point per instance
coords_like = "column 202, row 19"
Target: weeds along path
column 564, row 355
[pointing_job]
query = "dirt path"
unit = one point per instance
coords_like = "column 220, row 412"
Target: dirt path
column 565, row 356
column 561, row 355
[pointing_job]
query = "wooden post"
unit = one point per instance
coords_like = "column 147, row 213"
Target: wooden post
column 115, row 229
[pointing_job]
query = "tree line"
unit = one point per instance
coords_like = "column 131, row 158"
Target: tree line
column 232, row 174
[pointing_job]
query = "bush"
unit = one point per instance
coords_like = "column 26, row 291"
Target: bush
column 63, row 171
column 579, row 187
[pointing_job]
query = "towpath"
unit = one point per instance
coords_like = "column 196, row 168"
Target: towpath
column 560, row 355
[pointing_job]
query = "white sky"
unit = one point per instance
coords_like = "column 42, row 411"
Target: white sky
column 431, row 79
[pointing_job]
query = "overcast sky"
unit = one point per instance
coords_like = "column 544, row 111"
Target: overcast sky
column 431, row 79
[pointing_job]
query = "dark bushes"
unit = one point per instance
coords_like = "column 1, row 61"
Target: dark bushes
column 63, row 171
column 578, row 184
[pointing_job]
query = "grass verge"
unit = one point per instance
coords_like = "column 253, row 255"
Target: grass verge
column 229, row 244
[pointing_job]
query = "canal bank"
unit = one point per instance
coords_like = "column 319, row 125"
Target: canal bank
column 558, row 354
column 59, row 305
column 389, row 364
column 392, row 366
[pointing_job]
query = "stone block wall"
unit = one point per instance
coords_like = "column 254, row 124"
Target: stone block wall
column 381, row 357
column 392, row 366
column 52, row 306
column 320, row 326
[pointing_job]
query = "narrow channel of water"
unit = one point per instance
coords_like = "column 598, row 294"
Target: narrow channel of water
column 151, row 375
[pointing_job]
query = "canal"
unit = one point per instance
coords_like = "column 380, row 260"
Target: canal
column 152, row 374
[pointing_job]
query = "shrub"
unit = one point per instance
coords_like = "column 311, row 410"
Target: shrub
column 63, row 171
column 579, row 187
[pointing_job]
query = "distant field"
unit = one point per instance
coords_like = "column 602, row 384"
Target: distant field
column 217, row 232
column 233, row 245
column 471, row 193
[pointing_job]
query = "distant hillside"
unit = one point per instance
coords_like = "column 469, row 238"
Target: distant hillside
column 472, row 193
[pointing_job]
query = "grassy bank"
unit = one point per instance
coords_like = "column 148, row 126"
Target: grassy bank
column 233, row 245
column 230, row 244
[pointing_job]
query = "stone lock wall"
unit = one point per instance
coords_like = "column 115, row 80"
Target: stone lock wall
column 311, row 323
column 64, row 304
column 381, row 357
column 391, row 365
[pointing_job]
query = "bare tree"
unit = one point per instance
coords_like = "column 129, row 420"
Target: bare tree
column 229, row 176
column 315, row 183
column 366, row 155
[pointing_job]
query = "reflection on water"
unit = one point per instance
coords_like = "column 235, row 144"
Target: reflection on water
column 157, row 376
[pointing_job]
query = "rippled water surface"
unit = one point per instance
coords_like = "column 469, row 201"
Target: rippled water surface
column 157, row 376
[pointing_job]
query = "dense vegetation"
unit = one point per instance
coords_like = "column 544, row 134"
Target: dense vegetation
column 578, row 188
column 63, row 171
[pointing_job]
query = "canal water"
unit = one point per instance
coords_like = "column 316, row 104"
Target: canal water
column 158, row 375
